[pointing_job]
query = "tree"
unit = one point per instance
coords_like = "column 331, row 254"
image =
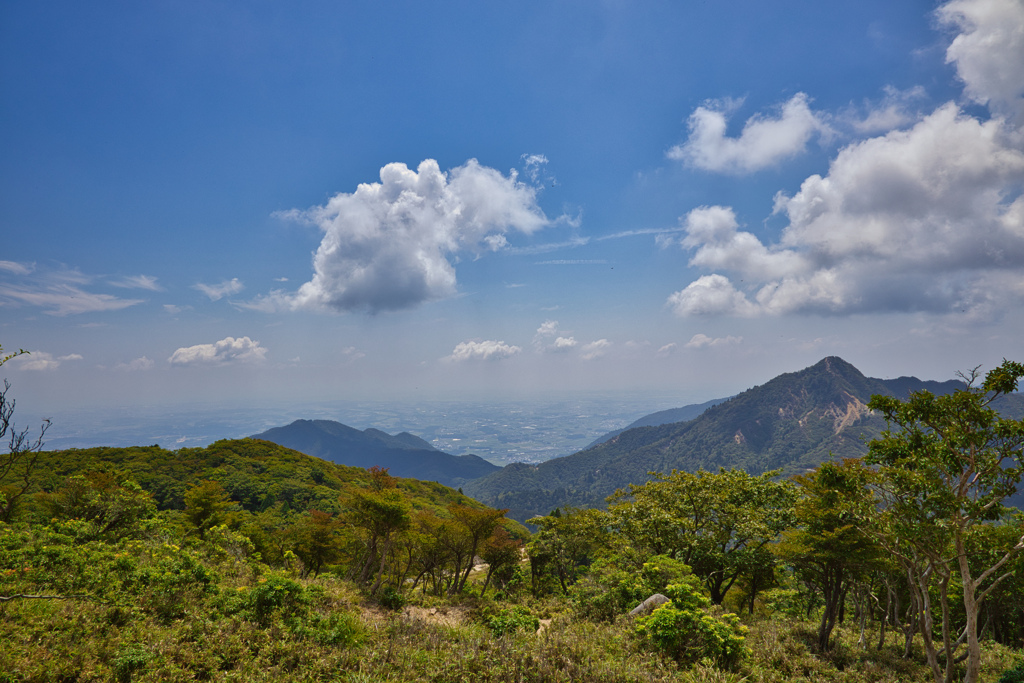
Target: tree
column 19, row 462
column 946, row 465
column 566, row 544
column 827, row 549
column 502, row 553
column 718, row 524
column 316, row 541
column 478, row 525
column 207, row 505
column 380, row 513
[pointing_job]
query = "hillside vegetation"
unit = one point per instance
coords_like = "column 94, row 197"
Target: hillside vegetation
column 247, row 561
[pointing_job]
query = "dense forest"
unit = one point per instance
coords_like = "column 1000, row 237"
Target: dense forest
column 247, row 561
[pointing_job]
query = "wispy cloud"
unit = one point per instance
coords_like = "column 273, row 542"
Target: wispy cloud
column 138, row 282
column 573, row 262
column 221, row 290
column 135, row 365
column 64, row 299
column 17, row 268
column 595, row 349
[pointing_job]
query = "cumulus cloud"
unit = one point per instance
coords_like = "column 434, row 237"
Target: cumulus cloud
column 141, row 363
column 701, row 340
column 764, row 141
column 41, row 361
column 550, row 338
column 221, row 290
column 594, row 349
column 988, row 52
column 391, row 245
column 930, row 218
column 227, row 350
column 710, row 295
column 483, row 350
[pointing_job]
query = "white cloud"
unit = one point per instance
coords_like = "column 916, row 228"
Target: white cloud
column 174, row 310
column 483, row 350
column 988, row 52
column 141, row 363
column 564, row 344
column 41, row 361
column 548, row 328
column 138, row 282
column 764, row 141
column 926, row 219
column 391, row 245
column 710, row 295
column 594, row 349
column 226, row 350
column 700, row 340
column 550, row 339
column 219, row 291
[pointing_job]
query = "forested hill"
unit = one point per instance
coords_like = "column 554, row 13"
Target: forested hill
column 793, row 422
column 404, row 455
column 257, row 475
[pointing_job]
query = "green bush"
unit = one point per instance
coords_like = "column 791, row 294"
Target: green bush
column 275, row 594
column 507, row 621
column 335, row 629
column 687, row 631
column 128, row 661
column 1014, row 675
column 390, row 598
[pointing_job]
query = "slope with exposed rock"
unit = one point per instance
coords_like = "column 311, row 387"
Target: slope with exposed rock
column 793, row 422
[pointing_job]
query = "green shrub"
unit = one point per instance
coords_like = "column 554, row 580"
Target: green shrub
column 507, row 621
column 128, row 661
column 275, row 594
column 687, row 631
column 390, row 598
column 336, row 629
column 1014, row 675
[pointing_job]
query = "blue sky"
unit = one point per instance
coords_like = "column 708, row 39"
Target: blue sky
column 263, row 201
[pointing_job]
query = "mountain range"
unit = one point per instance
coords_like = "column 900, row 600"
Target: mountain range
column 404, row 455
column 792, row 422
